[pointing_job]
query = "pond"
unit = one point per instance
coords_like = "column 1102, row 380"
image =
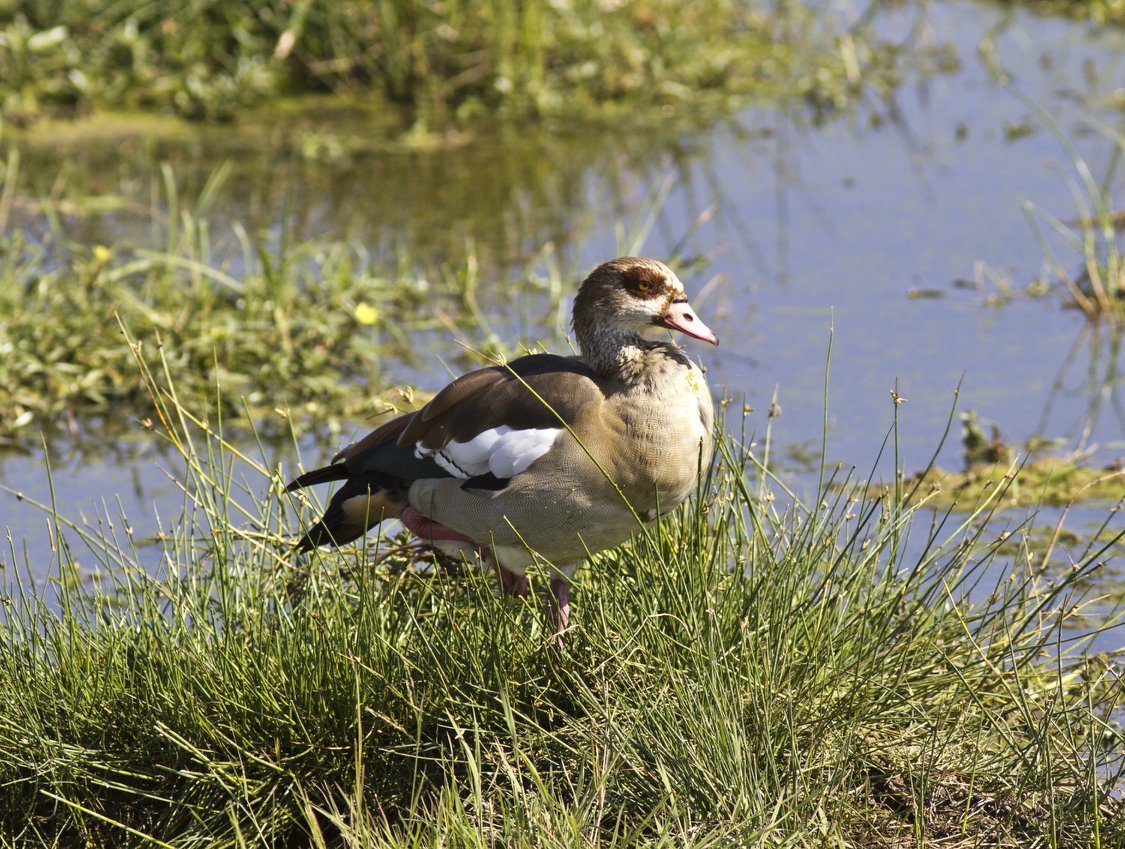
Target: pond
column 896, row 234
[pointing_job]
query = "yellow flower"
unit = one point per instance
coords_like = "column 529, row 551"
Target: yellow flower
column 102, row 254
column 365, row 313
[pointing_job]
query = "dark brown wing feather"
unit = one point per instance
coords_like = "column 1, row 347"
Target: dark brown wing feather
column 384, row 433
column 536, row 391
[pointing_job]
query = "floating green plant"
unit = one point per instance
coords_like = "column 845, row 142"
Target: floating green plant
column 997, row 473
column 1042, row 480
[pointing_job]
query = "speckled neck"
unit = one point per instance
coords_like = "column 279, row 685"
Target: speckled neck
column 612, row 351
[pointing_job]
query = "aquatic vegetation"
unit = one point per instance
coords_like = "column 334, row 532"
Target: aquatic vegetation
column 752, row 671
column 1040, row 480
column 258, row 338
column 1003, row 475
column 297, row 329
column 268, row 309
column 1093, row 240
column 444, row 61
column 1099, row 11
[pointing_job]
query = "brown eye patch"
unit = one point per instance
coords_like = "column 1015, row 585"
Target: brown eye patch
column 645, row 282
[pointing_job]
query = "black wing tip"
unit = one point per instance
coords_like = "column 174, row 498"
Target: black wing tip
column 303, row 544
column 325, row 474
column 321, row 534
column 315, row 537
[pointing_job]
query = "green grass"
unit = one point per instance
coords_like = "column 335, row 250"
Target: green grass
column 440, row 61
column 1016, row 475
column 1056, row 481
column 1083, row 255
column 295, row 326
column 755, row 671
column 1091, row 243
column 290, row 328
column 1098, row 11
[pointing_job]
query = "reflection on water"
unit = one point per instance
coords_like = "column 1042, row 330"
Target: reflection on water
column 1087, row 390
column 796, row 225
column 505, row 192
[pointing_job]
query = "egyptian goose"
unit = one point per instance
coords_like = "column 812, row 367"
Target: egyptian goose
column 545, row 458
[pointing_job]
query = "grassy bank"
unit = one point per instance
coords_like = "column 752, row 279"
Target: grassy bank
column 289, row 327
column 445, row 61
column 853, row 672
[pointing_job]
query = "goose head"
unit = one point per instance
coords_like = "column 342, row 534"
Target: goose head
column 626, row 296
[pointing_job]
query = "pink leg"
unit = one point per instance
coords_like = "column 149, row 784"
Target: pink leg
column 560, row 605
column 511, row 583
column 429, row 530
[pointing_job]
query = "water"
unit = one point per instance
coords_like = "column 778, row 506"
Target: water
column 861, row 225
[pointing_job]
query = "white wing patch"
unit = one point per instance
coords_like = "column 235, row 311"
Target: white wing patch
column 501, row 451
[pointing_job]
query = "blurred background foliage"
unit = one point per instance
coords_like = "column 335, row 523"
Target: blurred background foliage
column 441, row 60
